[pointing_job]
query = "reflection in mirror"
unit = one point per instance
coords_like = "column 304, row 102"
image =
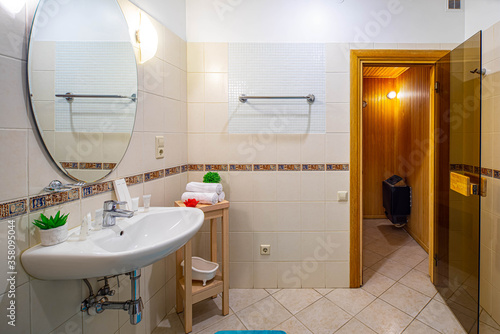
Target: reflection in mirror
column 83, row 84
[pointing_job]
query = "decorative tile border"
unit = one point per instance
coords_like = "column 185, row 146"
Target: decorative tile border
column 264, row 168
column 157, row 174
column 240, row 168
column 487, row 172
column 337, row 167
column 97, row 188
column 216, row 168
column 88, row 165
column 172, row 171
column 469, row 168
column 46, row 201
column 196, row 168
column 313, row 167
column 289, row 168
column 40, row 202
column 13, row 209
column 496, row 174
column 456, row 167
column 133, row 180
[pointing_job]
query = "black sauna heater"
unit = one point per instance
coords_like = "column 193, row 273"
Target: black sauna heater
column 397, row 200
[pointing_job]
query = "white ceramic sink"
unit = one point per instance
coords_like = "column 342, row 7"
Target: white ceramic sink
column 147, row 237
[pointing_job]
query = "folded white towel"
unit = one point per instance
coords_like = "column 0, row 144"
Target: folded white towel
column 200, row 187
column 222, row 196
column 203, row 198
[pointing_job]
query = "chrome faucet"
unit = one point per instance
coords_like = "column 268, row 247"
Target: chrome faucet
column 110, row 213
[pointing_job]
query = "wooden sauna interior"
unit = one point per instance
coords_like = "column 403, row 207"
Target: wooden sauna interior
column 396, row 140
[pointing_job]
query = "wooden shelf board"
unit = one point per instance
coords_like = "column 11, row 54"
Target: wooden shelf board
column 200, row 292
column 207, row 207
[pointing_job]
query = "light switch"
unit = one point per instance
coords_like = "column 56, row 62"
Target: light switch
column 342, row 196
column 160, row 147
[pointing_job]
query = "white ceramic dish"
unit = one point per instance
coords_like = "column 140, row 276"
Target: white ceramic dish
column 203, row 270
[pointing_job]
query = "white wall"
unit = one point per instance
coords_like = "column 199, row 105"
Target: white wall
column 170, row 13
column 385, row 21
column 480, row 14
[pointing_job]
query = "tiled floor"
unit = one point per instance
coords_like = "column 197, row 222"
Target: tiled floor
column 397, row 297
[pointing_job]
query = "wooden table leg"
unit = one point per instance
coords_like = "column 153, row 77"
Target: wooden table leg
column 178, row 274
column 213, row 242
column 225, row 261
column 188, row 278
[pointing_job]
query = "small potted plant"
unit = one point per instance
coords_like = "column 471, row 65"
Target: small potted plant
column 52, row 230
column 211, row 177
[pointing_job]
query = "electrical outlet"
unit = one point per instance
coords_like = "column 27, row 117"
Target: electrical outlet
column 265, row 249
column 159, row 147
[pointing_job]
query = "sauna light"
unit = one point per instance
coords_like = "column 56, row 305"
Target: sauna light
column 147, row 39
column 391, row 95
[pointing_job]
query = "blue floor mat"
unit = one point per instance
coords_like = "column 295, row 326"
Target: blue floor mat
column 250, row 332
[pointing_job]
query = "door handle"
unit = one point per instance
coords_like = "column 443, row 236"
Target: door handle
column 468, row 184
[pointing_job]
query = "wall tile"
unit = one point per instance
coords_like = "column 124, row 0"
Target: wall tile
column 336, row 274
column 172, row 110
column 22, row 311
column 157, row 190
column 312, row 186
column 196, row 87
column 173, row 48
column 287, row 145
column 288, row 217
column 216, row 86
column 312, row 148
column 153, row 76
column 337, row 57
column 288, row 246
column 216, row 57
column 289, row 275
column 13, row 92
column 265, row 275
column 337, row 147
column 337, row 216
column 241, row 275
column 288, row 186
column 195, row 57
column 264, row 186
column 48, row 312
column 240, row 247
column 14, row 164
column 265, row 217
column 171, row 81
column 337, row 117
column 154, row 113
column 335, row 182
column 242, row 215
column 312, row 216
column 216, row 147
column 216, row 117
column 13, row 37
column 337, row 88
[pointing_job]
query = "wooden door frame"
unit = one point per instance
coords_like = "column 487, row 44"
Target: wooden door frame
column 358, row 58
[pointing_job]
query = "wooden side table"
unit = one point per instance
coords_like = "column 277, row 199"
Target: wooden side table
column 189, row 292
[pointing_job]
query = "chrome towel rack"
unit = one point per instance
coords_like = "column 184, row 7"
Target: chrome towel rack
column 310, row 98
column 70, row 97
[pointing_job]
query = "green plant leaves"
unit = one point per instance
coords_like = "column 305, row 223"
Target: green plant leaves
column 45, row 223
column 211, row 177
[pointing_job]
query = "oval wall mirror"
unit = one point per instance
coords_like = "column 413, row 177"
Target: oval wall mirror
column 82, row 76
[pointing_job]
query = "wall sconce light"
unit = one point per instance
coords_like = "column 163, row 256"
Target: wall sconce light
column 13, row 6
column 147, row 39
column 392, row 95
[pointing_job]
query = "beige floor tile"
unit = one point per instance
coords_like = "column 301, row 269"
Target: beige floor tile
column 417, row 327
column 242, row 298
column 391, row 269
column 295, row 300
column 323, row 317
column 488, row 320
column 381, row 247
column 420, row 282
column 384, row 318
column 463, row 298
column 439, row 298
column 354, row 326
column 423, row 266
column 324, row 292
column 265, row 314
column 409, row 256
column 439, row 317
column 376, row 283
column 272, row 291
column 407, row 300
column 171, row 324
column 206, row 313
column 230, row 323
column 485, row 329
column 292, row 326
column 370, row 258
column 351, row 300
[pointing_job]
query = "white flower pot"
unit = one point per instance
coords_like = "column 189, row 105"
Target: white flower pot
column 54, row 236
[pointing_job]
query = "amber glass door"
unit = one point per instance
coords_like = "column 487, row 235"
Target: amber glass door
column 458, row 180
